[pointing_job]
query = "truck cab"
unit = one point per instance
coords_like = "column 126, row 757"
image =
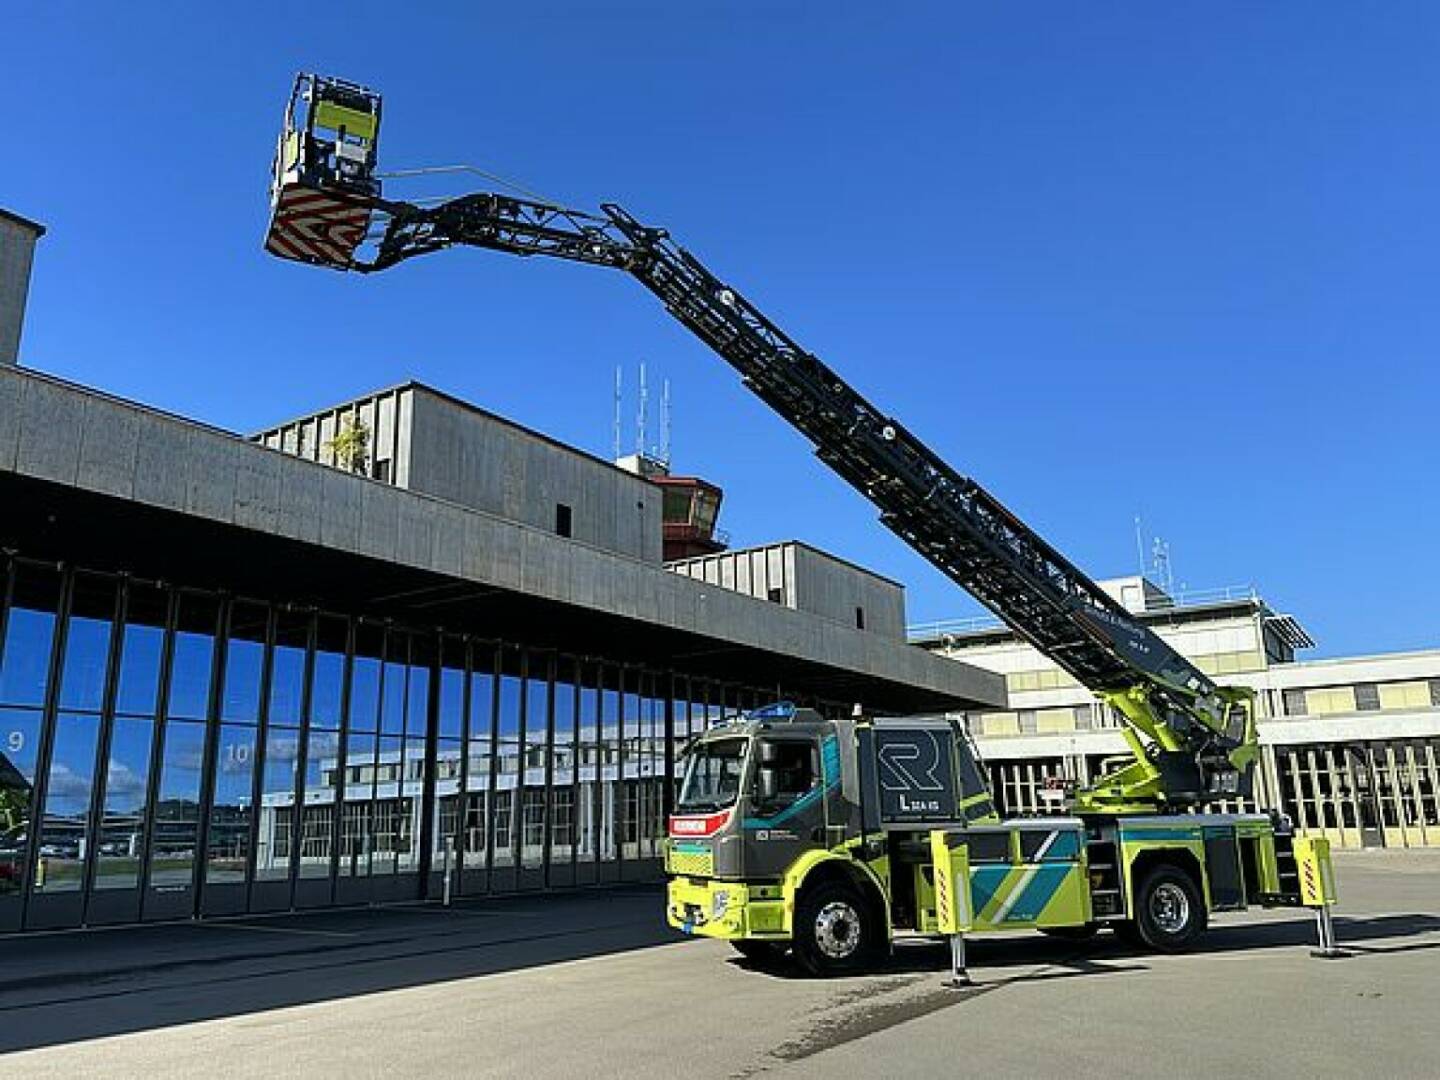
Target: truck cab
column 783, row 807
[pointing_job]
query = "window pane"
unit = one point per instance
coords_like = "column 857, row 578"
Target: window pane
column 87, row 644
column 122, row 828
column 325, row 695
column 322, row 769
column 562, row 795
column 630, row 770
column 448, row 804
column 177, row 814
column 391, row 825
column 452, row 698
column 589, row 809
column 277, row 805
column 141, row 649
column 194, row 649
column 507, row 770
column 19, row 737
column 29, row 632
column 482, row 686
column 67, row 804
column 537, row 713
column 244, row 658
column 395, row 684
column 417, row 700
column 355, row 824
column 365, row 685
column 610, row 786
column 231, row 816
column 407, row 853
column 287, row 676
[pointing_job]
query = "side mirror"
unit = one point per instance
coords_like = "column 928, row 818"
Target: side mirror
column 767, row 784
column 767, row 752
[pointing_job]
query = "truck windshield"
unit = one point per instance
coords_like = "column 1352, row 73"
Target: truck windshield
column 712, row 776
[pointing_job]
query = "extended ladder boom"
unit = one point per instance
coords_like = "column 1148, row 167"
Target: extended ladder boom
column 1199, row 738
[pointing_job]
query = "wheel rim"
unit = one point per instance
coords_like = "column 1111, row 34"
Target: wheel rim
column 837, row 930
column 1170, row 908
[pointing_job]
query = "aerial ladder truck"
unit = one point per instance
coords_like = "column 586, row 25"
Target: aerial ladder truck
column 827, row 835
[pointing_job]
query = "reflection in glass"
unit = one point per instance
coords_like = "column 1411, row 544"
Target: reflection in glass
column 407, row 853
column 477, row 783
column 391, row 815
column 536, row 751
column 287, row 674
column 244, row 661
column 359, row 781
column 417, row 701
column 562, row 804
column 177, row 812
column 588, row 810
column 392, row 706
column 327, row 692
column 322, row 768
column 452, row 701
column 190, row 668
column 364, row 693
column 19, row 737
column 122, row 826
column 230, row 817
column 449, row 755
column 25, row 663
column 140, row 669
column 87, row 652
column 277, row 805
column 507, row 773
column 60, row 864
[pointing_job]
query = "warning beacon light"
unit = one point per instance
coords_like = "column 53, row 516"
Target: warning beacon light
column 324, row 185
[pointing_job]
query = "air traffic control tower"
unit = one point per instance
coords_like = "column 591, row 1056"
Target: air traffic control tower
column 17, row 252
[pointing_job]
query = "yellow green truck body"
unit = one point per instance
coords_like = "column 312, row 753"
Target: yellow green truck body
column 834, row 867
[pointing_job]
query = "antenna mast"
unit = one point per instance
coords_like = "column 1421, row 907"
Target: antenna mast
column 615, row 455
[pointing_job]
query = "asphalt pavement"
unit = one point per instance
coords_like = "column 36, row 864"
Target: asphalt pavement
column 592, row 985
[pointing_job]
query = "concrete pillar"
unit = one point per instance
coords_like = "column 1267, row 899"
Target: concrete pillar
column 17, row 253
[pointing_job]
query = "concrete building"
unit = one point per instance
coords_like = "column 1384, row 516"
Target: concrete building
column 17, row 253
column 803, row 578
column 322, row 664
column 1350, row 747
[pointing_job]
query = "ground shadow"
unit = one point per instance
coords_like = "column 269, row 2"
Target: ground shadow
column 1097, row 956
column 57, row 988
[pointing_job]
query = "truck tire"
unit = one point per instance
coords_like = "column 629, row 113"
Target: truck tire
column 1169, row 910
column 836, row 931
column 761, row 953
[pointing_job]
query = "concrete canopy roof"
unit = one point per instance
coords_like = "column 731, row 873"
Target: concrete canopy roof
column 113, row 485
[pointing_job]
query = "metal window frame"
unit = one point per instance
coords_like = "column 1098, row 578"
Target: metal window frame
column 157, row 742
column 547, row 840
column 210, row 747
column 104, row 742
column 45, row 749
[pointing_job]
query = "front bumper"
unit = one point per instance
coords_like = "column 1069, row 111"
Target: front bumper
column 723, row 909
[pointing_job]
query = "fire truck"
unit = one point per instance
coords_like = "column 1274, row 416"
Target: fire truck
column 825, row 836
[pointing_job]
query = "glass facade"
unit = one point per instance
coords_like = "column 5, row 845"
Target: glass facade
column 168, row 752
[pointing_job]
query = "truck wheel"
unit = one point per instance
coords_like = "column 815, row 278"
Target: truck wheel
column 1169, row 910
column 835, row 931
column 762, row 953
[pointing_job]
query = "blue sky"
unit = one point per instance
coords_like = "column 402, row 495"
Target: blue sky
column 1110, row 259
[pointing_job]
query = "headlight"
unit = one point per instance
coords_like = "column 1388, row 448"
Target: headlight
column 718, row 902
